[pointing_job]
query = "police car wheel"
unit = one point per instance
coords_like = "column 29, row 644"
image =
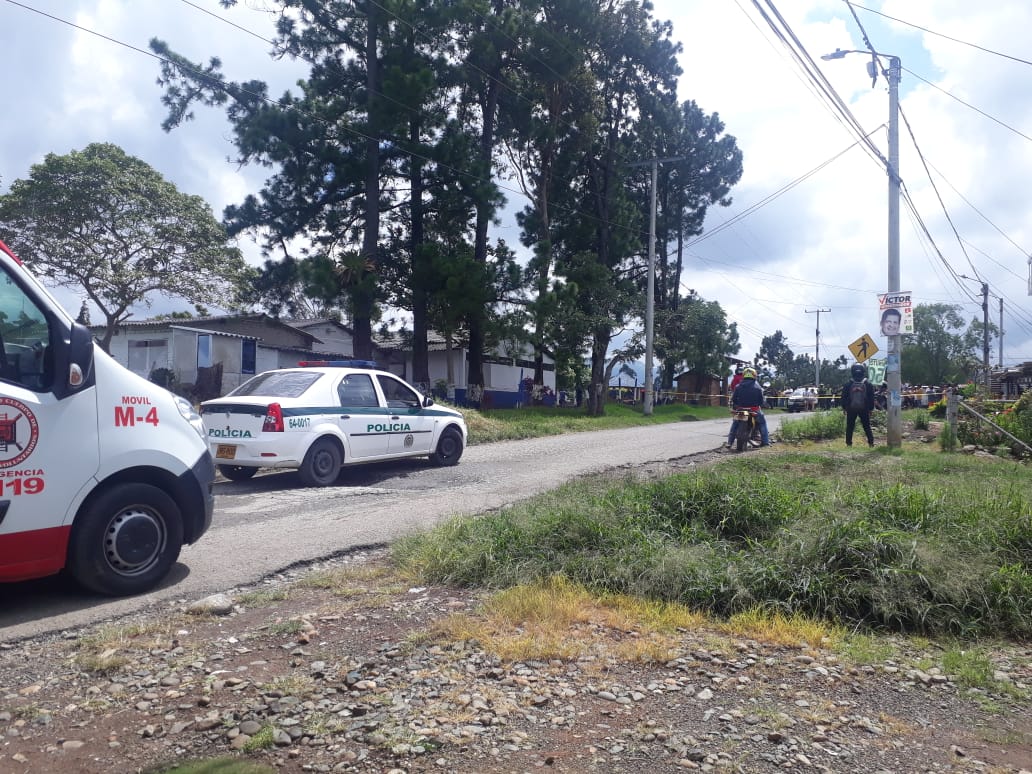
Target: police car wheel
column 449, row 448
column 126, row 540
column 237, row 472
column 321, row 464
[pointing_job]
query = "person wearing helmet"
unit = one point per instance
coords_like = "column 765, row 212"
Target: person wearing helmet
column 749, row 395
column 858, row 401
column 737, row 378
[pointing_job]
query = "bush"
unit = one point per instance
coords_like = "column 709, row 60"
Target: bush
column 164, row 377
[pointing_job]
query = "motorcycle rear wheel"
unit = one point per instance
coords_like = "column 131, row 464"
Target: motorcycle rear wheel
column 742, row 434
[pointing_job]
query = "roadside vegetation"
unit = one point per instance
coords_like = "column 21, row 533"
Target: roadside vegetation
column 537, row 421
column 919, row 542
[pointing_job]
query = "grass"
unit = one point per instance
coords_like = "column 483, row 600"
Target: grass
column 104, row 652
column 916, row 542
column 216, row 766
column 536, row 421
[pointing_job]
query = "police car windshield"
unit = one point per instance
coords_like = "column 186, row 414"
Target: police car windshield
column 277, row 384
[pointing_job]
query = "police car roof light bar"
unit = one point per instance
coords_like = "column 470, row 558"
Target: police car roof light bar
column 338, row 363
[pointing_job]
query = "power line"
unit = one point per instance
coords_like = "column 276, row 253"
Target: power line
column 968, row 105
column 939, row 34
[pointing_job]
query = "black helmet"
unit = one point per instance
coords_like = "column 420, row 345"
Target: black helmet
column 858, row 371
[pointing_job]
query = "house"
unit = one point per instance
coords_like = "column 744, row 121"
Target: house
column 209, row 356
column 194, row 350
column 701, row 389
column 504, row 371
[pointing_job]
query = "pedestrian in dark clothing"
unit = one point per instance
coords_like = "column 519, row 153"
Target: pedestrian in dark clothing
column 858, row 401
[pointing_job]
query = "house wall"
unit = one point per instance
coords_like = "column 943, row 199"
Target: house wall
column 334, row 338
column 271, row 333
column 183, row 355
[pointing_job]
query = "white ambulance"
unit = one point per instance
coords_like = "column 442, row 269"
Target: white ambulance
column 102, row 473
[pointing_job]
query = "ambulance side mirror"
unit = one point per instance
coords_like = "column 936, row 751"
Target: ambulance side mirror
column 73, row 368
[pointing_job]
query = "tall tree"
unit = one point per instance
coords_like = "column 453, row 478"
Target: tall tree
column 332, row 147
column 942, row 349
column 696, row 337
column 107, row 223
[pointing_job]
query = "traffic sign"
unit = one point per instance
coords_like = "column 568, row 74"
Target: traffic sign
column 863, row 348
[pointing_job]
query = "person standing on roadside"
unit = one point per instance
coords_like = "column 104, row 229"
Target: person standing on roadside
column 858, row 401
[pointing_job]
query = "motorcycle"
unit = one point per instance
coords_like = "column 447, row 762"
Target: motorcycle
column 747, row 432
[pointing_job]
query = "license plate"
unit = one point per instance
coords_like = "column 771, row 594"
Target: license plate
column 225, row 451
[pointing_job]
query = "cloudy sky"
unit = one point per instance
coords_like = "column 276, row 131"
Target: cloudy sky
column 810, row 229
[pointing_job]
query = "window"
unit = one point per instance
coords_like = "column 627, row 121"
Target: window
column 25, row 354
column 398, row 394
column 204, row 350
column 357, row 390
column 248, row 356
column 147, row 354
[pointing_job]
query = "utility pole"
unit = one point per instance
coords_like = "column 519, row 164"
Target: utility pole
column 650, row 290
column 894, row 350
column 817, row 357
column 1001, row 333
column 894, row 374
column 985, row 338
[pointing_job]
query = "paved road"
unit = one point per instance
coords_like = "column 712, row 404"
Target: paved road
column 271, row 522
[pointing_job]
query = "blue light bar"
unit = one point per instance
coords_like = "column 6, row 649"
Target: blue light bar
column 338, row 363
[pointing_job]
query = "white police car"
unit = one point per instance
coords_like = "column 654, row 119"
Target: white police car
column 325, row 414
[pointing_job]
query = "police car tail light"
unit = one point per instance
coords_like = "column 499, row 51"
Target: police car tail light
column 273, row 419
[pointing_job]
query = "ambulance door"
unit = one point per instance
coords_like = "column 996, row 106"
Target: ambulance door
column 411, row 427
column 362, row 417
column 49, row 450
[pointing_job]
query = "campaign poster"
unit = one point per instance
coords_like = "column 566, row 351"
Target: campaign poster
column 895, row 313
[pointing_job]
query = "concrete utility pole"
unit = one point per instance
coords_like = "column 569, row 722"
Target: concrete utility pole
column 985, row 338
column 894, row 365
column 1001, row 332
column 650, row 291
column 817, row 354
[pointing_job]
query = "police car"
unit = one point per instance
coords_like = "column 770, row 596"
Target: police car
column 326, row 414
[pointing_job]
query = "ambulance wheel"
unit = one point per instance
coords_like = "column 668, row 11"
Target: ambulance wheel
column 237, row 472
column 126, row 540
column 321, row 464
column 449, row 448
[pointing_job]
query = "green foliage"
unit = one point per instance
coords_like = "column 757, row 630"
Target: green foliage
column 914, row 543
column 814, row 427
column 1016, row 419
column 536, row 421
column 922, row 420
column 213, row 766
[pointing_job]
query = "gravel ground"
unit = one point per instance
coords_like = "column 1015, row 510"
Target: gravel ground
column 313, row 680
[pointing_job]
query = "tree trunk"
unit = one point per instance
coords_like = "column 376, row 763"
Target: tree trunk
column 363, row 299
column 420, row 355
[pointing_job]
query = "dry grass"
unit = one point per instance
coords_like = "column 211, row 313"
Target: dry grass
column 561, row 620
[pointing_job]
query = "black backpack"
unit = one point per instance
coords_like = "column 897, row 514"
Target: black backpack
column 856, row 401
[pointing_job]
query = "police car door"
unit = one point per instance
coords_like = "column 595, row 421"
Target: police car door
column 410, row 427
column 49, row 448
column 362, row 418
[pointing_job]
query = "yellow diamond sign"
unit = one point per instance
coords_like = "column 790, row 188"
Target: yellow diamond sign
column 863, row 348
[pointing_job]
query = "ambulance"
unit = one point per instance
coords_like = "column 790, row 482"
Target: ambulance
column 103, row 474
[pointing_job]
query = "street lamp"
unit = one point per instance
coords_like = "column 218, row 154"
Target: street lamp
column 893, row 361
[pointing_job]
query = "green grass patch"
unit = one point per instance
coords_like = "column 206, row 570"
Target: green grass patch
column 215, row 766
column 537, row 421
column 818, row 426
column 914, row 542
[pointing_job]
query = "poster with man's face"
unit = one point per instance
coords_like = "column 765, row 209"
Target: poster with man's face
column 896, row 313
